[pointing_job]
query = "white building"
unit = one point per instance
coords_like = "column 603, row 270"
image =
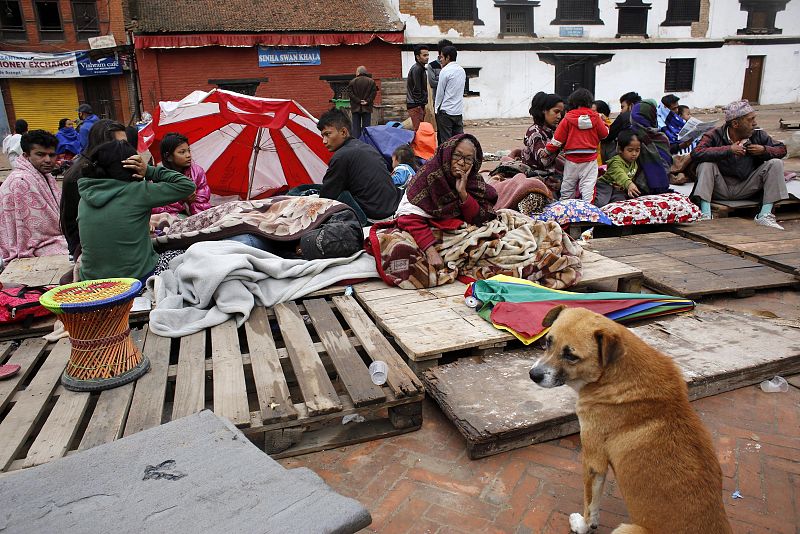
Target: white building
column 708, row 52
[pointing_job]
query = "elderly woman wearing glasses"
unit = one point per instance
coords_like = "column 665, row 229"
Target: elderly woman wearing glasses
column 445, row 193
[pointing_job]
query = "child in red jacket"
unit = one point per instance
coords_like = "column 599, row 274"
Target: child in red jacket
column 578, row 134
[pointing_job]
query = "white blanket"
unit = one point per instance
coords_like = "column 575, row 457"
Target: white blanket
column 218, row 280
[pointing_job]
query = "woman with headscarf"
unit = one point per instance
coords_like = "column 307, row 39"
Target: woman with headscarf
column 654, row 159
column 547, row 110
column 445, row 192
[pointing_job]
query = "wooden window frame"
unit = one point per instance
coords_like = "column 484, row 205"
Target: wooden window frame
column 16, row 32
column 626, row 8
column 49, row 34
column 445, row 10
column 674, row 86
column 83, row 34
column 562, row 13
column 769, row 8
column 673, row 10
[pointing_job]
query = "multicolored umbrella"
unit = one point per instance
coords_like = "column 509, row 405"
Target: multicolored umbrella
column 249, row 146
column 519, row 306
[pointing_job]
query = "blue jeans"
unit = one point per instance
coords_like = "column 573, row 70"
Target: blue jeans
column 252, row 241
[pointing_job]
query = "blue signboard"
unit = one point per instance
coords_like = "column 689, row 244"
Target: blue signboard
column 570, row 31
column 279, row 56
column 101, row 67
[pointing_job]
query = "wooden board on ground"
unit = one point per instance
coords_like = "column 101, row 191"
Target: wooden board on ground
column 678, row 266
column 42, row 271
column 729, row 208
column 427, row 323
column 777, row 248
column 496, row 407
column 251, row 375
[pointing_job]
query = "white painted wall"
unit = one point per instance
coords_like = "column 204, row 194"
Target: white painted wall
column 508, row 80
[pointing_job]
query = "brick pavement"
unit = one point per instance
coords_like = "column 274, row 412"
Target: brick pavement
column 423, row 482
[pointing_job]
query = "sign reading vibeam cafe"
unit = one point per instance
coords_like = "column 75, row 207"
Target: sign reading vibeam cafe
column 62, row 65
column 274, row 56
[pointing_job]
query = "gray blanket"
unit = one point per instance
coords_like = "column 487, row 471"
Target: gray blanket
column 218, row 280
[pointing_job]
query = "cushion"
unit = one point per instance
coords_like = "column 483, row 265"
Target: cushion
column 573, row 211
column 667, row 208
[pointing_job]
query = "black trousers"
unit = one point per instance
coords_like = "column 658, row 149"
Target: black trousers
column 448, row 126
column 360, row 121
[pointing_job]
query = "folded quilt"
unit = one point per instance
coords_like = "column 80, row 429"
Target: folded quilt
column 512, row 244
column 218, row 280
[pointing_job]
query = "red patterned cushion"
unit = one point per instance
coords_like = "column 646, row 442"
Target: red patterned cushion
column 668, row 208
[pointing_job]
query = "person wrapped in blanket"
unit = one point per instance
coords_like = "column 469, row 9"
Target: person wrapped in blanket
column 117, row 192
column 447, row 190
column 655, row 159
column 547, row 110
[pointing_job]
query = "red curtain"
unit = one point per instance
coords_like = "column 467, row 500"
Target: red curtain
column 268, row 39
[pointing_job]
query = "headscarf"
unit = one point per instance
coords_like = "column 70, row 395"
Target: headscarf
column 433, row 188
column 654, row 159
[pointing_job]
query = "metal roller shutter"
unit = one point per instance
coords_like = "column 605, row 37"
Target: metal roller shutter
column 44, row 102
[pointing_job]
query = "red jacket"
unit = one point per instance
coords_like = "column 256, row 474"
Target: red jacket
column 579, row 145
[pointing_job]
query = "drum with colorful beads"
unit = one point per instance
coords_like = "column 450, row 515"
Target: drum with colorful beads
column 95, row 314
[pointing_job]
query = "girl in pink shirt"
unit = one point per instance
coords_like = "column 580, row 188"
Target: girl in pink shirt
column 176, row 155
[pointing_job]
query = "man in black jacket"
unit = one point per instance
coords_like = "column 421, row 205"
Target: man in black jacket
column 357, row 174
column 417, row 86
column 362, row 91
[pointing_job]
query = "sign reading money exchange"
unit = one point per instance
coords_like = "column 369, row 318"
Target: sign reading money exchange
column 63, row 65
column 274, row 56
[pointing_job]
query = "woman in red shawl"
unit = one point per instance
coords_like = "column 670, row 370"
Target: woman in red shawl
column 446, row 192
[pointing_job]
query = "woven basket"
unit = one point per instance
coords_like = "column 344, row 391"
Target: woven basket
column 95, row 314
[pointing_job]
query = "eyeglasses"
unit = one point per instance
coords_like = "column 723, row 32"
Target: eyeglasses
column 460, row 158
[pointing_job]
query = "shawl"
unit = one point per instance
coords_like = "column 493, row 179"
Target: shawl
column 68, row 141
column 29, row 214
column 433, row 188
column 655, row 159
column 202, row 196
column 534, row 155
column 512, row 190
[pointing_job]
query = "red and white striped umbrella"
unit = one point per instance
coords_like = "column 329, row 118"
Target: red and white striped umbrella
column 251, row 147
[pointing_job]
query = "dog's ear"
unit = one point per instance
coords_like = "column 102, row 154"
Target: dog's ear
column 552, row 315
column 609, row 347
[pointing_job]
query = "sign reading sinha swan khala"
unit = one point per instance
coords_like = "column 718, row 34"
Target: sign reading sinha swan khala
column 274, row 56
column 61, row 65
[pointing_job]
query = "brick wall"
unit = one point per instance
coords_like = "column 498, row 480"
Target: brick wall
column 422, row 10
column 700, row 28
column 172, row 74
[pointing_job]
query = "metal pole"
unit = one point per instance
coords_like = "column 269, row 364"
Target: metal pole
column 257, row 150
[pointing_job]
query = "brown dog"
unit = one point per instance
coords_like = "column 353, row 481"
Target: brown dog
column 634, row 412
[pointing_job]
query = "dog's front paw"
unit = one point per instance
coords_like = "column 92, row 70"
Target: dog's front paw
column 578, row 525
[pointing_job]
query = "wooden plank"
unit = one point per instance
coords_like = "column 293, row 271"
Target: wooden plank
column 318, row 392
column 108, row 418
column 230, row 390
column 401, row 380
column 351, row 369
column 190, row 380
column 147, row 405
column 274, row 398
column 18, row 424
column 26, row 355
column 59, row 429
column 44, row 270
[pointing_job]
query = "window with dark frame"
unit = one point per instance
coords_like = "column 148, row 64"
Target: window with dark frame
column 577, row 12
column 682, row 13
column 454, row 10
column 49, row 19
column 12, row 25
column 84, row 17
column 761, row 16
column 471, row 72
column 632, row 18
column 679, row 75
column 516, row 20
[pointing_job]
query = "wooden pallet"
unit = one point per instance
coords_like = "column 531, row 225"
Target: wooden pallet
column 287, row 378
column 679, row 266
column 496, row 407
column 777, row 248
column 428, row 323
column 721, row 209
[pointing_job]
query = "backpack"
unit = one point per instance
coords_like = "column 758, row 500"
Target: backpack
column 21, row 303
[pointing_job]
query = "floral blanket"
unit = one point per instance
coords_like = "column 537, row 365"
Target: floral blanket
column 280, row 218
column 512, row 244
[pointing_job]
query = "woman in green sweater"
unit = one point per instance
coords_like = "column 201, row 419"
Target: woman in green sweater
column 118, row 192
column 623, row 178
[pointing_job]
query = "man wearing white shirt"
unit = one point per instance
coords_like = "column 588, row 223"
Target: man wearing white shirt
column 12, row 144
column 449, row 103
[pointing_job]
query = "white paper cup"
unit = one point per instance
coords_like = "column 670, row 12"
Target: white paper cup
column 377, row 372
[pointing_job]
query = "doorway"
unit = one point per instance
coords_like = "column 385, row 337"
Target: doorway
column 97, row 93
column 574, row 70
column 752, row 78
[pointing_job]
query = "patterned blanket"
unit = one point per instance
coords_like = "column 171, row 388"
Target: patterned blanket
column 280, row 218
column 512, row 244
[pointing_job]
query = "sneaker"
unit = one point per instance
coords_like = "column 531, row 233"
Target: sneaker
column 705, row 217
column 768, row 220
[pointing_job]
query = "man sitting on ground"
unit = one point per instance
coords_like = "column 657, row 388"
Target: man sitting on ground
column 357, row 174
column 738, row 161
column 29, row 200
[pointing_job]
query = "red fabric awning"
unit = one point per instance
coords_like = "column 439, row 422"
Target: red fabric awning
column 196, row 40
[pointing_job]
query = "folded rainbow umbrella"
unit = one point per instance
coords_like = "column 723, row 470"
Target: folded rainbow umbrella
column 519, row 306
